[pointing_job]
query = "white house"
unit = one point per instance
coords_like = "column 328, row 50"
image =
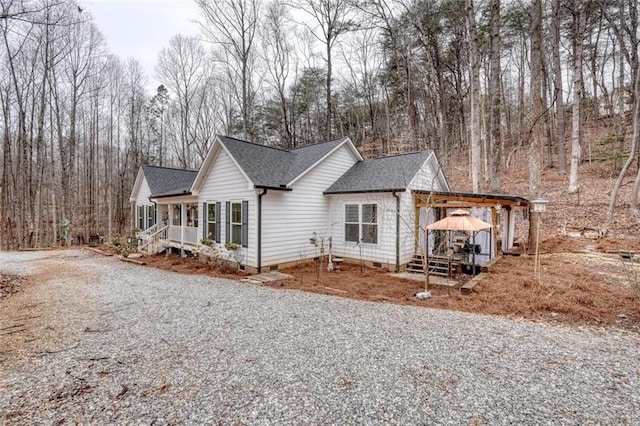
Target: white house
column 272, row 203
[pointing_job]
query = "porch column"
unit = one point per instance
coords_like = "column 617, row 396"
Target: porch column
column 183, row 223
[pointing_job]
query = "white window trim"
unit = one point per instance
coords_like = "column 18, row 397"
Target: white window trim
column 232, row 223
column 207, row 221
column 360, row 223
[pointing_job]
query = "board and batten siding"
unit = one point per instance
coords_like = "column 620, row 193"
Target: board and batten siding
column 225, row 182
column 289, row 218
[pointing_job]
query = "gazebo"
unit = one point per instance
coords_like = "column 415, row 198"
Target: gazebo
column 458, row 220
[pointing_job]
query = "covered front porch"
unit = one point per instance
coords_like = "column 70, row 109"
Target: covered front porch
column 176, row 227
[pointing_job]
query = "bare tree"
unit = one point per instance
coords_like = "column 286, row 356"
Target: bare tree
column 558, row 88
column 232, row 25
column 183, row 67
column 333, row 20
column 278, row 51
column 536, row 132
column 579, row 23
column 495, row 144
column 474, row 81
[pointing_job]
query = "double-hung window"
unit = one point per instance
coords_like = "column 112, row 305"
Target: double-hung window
column 361, row 223
column 151, row 215
column 236, row 223
column 141, row 218
column 212, row 220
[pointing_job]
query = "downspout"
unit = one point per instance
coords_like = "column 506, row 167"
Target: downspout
column 155, row 211
column 397, row 197
column 259, row 248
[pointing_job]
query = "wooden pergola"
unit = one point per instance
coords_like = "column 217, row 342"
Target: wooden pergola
column 465, row 200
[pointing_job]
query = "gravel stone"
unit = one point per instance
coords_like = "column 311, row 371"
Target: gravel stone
column 104, row 341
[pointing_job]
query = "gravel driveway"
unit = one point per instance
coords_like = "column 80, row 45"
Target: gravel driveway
column 98, row 341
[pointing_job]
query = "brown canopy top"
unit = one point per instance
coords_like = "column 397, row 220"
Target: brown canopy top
column 460, row 220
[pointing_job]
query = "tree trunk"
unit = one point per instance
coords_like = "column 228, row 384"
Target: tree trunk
column 495, row 146
column 536, row 140
column 474, row 79
column 576, row 130
column 632, row 155
column 558, row 91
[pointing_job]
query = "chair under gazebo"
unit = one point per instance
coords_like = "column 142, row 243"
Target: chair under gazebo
column 461, row 221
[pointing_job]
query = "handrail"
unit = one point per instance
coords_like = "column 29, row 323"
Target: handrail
column 147, row 232
column 154, row 237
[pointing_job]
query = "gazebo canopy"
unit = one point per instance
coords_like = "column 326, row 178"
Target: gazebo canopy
column 460, row 220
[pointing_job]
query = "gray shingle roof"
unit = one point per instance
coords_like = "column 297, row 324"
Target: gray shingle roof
column 306, row 156
column 273, row 167
column 168, row 181
column 380, row 174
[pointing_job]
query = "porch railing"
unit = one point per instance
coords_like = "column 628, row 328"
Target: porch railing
column 154, row 238
column 175, row 234
column 144, row 235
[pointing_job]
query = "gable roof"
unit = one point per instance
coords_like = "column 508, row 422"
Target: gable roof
column 271, row 167
column 383, row 174
column 164, row 181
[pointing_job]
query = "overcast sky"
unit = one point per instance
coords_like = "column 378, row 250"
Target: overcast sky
column 141, row 28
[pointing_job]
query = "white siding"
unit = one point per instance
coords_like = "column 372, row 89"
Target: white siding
column 289, row 218
column 429, row 177
column 408, row 236
column 142, row 199
column 225, row 182
column 385, row 250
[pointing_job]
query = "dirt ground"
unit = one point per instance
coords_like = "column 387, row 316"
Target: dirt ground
column 10, row 284
column 581, row 282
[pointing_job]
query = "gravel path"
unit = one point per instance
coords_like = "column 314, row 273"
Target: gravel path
column 98, row 341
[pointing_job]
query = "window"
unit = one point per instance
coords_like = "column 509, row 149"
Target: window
column 151, row 215
column 352, row 223
column 141, row 218
column 236, row 223
column 177, row 215
column 369, row 232
column 361, row 223
column 211, row 222
column 192, row 215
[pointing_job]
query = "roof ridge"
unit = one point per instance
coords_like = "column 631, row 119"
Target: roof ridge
column 317, row 143
column 429, row 150
column 169, row 168
column 254, row 143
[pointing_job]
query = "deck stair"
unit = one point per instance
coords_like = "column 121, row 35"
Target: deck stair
column 151, row 240
column 438, row 265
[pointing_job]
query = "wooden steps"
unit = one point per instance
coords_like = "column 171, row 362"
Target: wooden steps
column 438, row 265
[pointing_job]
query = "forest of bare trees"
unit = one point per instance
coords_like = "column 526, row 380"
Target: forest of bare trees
column 483, row 77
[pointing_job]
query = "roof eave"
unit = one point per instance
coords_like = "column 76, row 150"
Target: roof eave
column 177, row 194
column 364, row 191
column 275, row 188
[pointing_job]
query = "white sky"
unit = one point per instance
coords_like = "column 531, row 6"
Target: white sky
column 141, row 28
